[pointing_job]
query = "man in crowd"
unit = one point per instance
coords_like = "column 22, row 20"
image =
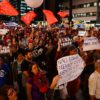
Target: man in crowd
column 94, row 82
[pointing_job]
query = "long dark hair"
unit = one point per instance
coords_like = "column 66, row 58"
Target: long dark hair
column 30, row 68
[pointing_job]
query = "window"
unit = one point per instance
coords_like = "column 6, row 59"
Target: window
column 88, row 5
column 95, row 4
column 99, row 4
column 75, row 15
column 94, row 14
column 29, row 8
column 84, row 5
column 23, row 8
column 84, row 14
column 91, row 14
column 91, row 4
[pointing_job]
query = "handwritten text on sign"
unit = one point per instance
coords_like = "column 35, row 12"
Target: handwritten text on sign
column 91, row 43
column 69, row 68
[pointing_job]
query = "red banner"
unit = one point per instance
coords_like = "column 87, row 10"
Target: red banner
column 7, row 9
column 63, row 14
column 51, row 19
column 28, row 17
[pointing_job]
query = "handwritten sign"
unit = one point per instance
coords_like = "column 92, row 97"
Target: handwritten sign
column 65, row 41
column 69, row 68
column 4, row 50
column 91, row 43
column 3, row 31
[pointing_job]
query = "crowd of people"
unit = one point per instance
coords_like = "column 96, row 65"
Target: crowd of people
column 28, row 70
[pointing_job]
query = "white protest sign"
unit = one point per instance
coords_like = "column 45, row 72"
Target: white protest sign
column 4, row 50
column 65, row 41
column 3, row 31
column 91, row 43
column 69, row 68
column 81, row 33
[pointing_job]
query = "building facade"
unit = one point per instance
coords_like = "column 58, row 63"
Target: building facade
column 87, row 10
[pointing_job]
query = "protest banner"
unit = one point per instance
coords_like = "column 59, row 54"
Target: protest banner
column 65, row 41
column 69, row 68
column 3, row 31
column 91, row 43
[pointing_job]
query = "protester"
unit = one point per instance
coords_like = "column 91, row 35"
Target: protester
column 37, row 84
column 24, row 68
column 4, row 73
column 94, row 82
column 40, row 44
column 17, row 74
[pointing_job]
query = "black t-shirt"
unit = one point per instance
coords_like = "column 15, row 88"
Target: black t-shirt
column 39, row 55
column 25, row 65
column 37, row 52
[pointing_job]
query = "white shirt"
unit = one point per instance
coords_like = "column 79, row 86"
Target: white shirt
column 94, row 84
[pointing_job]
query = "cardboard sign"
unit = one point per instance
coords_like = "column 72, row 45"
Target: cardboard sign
column 69, row 68
column 91, row 43
column 3, row 31
column 64, row 42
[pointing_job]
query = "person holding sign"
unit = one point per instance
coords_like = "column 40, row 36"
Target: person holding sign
column 94, row 82
column 74, row 85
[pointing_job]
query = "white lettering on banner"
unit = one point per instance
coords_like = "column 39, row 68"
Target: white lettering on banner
column 69, row 68
column 65, row 41
column 91, row 43
column 37, row 52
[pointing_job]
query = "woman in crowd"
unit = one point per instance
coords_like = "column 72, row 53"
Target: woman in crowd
column 94, row 82
column 37, row 84
column 73, row 86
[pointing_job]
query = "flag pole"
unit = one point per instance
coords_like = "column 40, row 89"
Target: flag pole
column 44, row 8
column 70, row 12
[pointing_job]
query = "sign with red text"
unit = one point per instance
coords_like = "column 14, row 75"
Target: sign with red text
column 69, row 68
column 65, row 41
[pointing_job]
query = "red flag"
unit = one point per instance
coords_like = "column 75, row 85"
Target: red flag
column 28, row 17
column 63, row 13
column 1, row 11
column 7, row 9
column 51, row 19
